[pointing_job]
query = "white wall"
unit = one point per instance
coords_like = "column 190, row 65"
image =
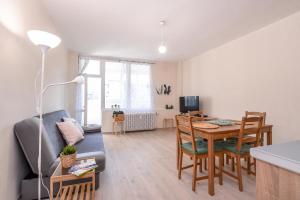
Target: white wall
column 19, row 61
column 72, row 73
column 258, row 72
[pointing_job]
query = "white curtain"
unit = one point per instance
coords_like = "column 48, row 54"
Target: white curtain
column 129, row 85
column 140, row 91
column 80, row 92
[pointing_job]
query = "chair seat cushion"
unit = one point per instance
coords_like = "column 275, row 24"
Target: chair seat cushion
column 201, row 147
column 232, row 148
column 246, row 139
column 232, row 140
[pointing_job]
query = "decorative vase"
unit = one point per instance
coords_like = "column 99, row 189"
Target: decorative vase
column 68, row 160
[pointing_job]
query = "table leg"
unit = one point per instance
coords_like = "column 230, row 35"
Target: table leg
column 269, row 136
column 113, row 128
column 51, row 189
column 211, row 166
column 93, row 192
column 177, row 151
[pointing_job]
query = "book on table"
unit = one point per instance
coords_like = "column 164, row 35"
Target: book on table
column 83, row 166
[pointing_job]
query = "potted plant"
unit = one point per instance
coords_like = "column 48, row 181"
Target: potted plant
column 68, row 156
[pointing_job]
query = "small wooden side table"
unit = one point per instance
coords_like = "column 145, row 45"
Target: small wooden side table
column 119, row 120
column 84, row 191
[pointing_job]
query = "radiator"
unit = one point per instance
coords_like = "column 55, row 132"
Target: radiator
column 140, row 121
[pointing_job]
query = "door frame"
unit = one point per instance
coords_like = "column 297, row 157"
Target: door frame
column 85, row 104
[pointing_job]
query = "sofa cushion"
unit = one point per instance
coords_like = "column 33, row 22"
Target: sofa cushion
column 49, row 122
column 66, row 119
column 27, row 132
column 92, row 142
column 70, row 132
column 91, row 146
column 92, row 128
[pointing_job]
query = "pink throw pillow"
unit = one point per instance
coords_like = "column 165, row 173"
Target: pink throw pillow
column 70, row 132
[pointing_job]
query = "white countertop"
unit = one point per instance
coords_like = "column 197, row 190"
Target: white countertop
column 285, row 155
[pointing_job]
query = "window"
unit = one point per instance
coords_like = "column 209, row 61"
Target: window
column 115, row 84
column 140, row 87
column 109, row 83
column 128, row 85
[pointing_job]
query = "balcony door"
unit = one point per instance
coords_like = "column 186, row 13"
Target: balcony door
column 92, row 104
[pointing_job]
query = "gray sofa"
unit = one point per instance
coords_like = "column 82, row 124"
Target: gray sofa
column 26, row 132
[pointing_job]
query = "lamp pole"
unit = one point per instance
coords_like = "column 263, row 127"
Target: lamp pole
column 45, row 41
column 44, row 51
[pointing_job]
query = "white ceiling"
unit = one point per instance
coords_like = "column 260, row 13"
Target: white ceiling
column 130, row 28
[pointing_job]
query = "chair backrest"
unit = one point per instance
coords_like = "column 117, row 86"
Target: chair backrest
column 197, row 115
column 254, row 130
column 257, row 114
column 185, row 131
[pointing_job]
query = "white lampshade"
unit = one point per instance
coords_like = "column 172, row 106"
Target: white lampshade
column 42, row 38
column 78, row 79
column 162, row 49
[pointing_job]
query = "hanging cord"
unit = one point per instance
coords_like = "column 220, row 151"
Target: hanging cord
column 162, row 31
column 45, row 185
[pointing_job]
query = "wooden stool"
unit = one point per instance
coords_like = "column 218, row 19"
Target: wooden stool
column 168, row 121
column 119, row 120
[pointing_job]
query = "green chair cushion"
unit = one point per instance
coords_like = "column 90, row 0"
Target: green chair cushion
column 201, row 147
column 199, row 139
column 232, row 140
column 232, row 148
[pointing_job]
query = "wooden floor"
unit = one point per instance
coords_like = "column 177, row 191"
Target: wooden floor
column 142, row 166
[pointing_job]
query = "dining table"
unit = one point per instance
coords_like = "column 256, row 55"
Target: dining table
column 222, row 132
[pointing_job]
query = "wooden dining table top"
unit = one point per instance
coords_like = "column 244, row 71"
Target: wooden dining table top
column 235, row 127
column 228, row 131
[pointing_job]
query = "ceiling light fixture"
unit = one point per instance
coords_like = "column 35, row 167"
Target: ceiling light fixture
column 162, row 47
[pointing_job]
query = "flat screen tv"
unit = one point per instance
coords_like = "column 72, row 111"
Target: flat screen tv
column 189, row 103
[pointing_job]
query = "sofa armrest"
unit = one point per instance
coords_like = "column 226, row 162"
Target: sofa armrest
column 91, row 129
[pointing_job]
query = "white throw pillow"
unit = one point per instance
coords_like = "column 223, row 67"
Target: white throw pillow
column 65, row 119
column 70, row 132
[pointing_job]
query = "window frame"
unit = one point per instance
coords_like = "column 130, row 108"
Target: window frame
column 102, row 76
column 128, row 68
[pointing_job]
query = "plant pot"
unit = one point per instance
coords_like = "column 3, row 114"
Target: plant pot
column 68, row 160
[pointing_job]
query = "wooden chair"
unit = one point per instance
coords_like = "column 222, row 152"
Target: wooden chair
column 261, row 142
column 196, row 150
column 197, row 113
column 194, row 119
column 251, row 139
column 258, row 114
column 241, row 148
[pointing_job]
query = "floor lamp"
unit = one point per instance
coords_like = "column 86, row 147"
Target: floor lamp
column 45, row 41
